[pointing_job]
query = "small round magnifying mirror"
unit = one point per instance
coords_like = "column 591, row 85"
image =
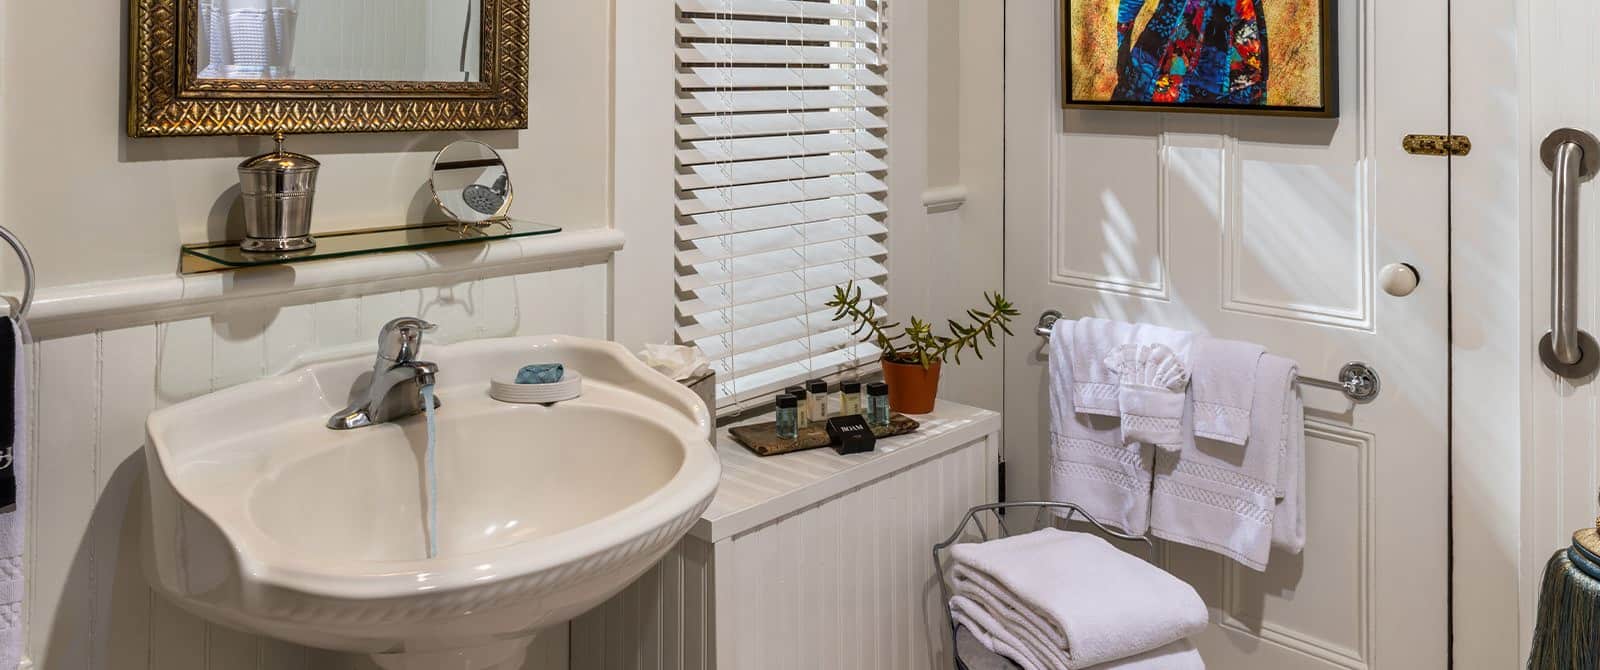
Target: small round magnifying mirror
column 471, row 183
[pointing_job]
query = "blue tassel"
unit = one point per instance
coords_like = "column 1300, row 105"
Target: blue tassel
column 1567, row 635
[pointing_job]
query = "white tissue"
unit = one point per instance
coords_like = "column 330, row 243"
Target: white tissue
column 678, row 362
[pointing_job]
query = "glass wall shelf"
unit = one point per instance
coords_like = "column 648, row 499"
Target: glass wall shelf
column 216, row 256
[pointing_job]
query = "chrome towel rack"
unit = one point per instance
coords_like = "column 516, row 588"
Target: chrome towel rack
column 27, row 271
column 1357, row 381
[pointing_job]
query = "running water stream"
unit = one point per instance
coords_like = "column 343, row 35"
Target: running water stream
column 433, row 475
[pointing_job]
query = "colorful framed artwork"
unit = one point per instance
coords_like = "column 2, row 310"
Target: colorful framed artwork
column 1272, row 57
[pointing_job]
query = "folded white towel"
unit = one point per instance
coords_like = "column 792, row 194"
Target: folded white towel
column 1086, row 597
column 1090, row 466
column 1223, row 380
column 995, row 637
column 1002, row 639
column 1016, row 616
column 1180, row 655
column 1151, row 394
column 1095, row 385
column 1220, row 497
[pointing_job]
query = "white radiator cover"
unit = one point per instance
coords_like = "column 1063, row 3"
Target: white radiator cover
column 807, row 561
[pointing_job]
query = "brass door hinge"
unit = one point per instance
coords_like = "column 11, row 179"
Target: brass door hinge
column 1437, row 145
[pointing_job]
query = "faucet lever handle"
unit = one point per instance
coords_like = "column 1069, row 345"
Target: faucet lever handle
column 401, row 339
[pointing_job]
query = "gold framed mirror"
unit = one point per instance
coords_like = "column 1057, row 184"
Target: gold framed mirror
column 253, row 67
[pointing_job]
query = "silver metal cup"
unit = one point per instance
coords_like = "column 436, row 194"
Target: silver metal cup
column 277, row 189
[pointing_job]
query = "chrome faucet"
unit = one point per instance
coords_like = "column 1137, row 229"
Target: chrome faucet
column 395, row 389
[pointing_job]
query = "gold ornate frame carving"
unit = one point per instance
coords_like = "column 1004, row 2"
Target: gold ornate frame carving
column 166, row 97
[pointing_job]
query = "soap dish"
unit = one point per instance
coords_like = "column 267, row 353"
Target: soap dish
column 506, row 389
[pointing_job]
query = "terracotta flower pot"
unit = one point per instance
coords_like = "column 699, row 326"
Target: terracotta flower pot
column 912, row 389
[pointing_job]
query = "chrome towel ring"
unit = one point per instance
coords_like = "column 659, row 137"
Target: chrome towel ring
column 27, row 271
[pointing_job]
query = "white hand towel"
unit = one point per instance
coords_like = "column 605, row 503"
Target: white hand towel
column 1220, row 497
column 1095, row 385
column 1223, row 379
column 1152, row 387
column 12, row 520
column 1090, row 466
column 1096, row 602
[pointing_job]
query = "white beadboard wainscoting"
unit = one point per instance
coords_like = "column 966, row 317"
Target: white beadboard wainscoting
column 88, row 606
column 808, row 560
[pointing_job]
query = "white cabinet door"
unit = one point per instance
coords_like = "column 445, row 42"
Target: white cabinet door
column 1272, row 230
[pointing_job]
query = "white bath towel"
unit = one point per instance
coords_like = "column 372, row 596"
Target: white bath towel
column 1086, row 597
column 12, row 520
column 1222, row 376
column 1180, row 655
column 1225, row 498
column 1289, row 520
column 1152, row 389
column 995, row 637
column 1019, row 621
column 1095, row 385
column 1003, row 639
column 1090, row 466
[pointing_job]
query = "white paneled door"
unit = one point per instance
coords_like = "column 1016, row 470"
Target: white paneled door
column 1273, row 230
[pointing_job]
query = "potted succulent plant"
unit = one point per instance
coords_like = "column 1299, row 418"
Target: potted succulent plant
column 913, row 355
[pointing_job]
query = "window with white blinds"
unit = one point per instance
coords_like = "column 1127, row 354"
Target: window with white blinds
column 781, row 185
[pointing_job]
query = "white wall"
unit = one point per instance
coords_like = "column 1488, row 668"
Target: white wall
column 93, row 204
column 942, row 262
column 980, row 235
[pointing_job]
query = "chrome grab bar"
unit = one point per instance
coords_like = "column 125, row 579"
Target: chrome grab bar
column 1572, row 156
column 1563, row 257
column 1357, row 381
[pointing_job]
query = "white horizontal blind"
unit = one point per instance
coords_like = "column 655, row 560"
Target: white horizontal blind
column 781, row 185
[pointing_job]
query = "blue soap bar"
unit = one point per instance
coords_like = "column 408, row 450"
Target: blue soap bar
column 543, row 373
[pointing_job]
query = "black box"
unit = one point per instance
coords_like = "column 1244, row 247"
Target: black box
column 851, row 434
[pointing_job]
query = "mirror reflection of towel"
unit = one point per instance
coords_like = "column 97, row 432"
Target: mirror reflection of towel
column 248, row 39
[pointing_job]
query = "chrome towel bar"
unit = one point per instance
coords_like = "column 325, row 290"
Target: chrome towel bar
column 27, row 271
column 1357, row 381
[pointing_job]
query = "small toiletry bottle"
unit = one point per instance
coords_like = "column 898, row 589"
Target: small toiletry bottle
column 788, row 417
column 878, row 404
column 819, row 399
column 849, row 398
column 802, row 405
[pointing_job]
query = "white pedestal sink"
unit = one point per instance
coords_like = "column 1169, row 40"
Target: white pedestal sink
column 262, row 519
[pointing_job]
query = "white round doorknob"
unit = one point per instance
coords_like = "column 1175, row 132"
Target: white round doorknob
column 1399, row 279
